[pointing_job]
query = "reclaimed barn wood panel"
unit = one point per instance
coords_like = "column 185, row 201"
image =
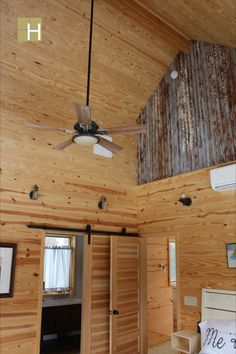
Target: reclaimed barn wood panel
column 20, row 315
column 191, row 120
column 202, row 231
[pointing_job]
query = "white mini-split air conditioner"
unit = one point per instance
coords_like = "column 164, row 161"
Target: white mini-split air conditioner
column 223, row 178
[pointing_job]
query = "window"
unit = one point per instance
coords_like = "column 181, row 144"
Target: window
column 172, row 263
column 58, row 264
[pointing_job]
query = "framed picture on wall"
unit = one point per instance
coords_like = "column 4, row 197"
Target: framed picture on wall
column 231, row 254
column 7, row 268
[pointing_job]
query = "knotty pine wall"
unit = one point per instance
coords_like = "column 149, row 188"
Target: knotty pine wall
column 40, row 82
column 71, row 185
column 69, row 193
column 65, row 200
column 202, row 231
column 20, row 315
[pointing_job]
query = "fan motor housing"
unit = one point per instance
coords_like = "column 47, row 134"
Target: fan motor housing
column 81, row 129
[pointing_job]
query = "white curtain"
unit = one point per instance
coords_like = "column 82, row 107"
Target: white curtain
column 57, row 268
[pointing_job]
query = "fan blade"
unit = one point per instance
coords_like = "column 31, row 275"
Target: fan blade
column 48, row 127
column 109, row 145
column 135, row 129
column 65, row 144
column 83, row 114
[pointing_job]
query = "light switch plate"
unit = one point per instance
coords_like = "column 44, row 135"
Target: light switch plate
column 190, row 301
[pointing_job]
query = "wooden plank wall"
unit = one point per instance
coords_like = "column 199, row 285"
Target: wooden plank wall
column 64, row 200
column 159, row 293
column 202, row 231
column 125, row 291
column 69, row 194
column 69, row 207
column 191, row 120
column 100, row 299
column 40, row 82
column 20, row 315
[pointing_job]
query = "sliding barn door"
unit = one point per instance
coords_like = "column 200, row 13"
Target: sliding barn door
column 113, row 281
column 128, row 296
column 96, row 296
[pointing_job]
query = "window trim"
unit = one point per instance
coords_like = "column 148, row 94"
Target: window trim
column 71, row 291
column 172, row 284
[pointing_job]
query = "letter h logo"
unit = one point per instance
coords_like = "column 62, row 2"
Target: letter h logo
column 29, row 29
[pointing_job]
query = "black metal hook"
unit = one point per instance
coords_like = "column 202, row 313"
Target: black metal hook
column 185, row 201
column 34, row 194
column 102, row 202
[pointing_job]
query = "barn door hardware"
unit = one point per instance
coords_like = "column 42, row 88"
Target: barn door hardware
column 114, row 312
column 87, row 230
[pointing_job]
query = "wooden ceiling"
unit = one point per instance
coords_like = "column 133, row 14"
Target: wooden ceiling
column 40, row 81
column 212, row 21
column 130, row 55
column 134, row 43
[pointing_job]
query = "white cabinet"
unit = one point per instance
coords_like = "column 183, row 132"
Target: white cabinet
column 186, row 342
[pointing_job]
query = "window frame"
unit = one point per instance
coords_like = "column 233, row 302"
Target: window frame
column 172, row 284
column 71, row 290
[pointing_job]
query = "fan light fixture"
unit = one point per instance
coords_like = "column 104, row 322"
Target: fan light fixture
column 86, row 131
column 86, row 139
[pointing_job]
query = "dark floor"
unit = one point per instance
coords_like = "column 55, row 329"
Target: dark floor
column 65, row 345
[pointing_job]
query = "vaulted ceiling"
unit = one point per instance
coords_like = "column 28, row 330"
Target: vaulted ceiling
column 134, row 43
column 212, row 21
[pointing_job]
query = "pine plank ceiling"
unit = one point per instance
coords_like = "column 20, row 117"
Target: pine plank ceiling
column 134, row 43
column 212, row 21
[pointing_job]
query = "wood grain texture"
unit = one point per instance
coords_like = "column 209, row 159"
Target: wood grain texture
column 126, row 334
column 191, row 120
column 112, row 279
column 201, row 20
column 41, row 82
column 202, row 232
column 159, row 294
column 85, row 339
column 97, row 295
column 20, row 315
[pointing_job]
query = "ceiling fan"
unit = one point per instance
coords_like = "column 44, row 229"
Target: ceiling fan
column 86, row 131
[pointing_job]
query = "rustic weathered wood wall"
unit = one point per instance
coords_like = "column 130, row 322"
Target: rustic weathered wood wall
column 202, row 231
column 191, row 120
